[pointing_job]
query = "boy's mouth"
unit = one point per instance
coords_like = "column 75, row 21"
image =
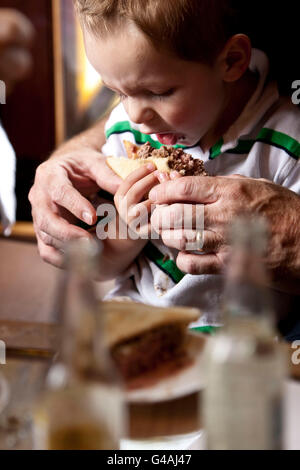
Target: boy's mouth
column 169, row 138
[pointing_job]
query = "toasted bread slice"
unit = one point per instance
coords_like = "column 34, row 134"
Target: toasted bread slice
column 124, row 166
column 131, row 149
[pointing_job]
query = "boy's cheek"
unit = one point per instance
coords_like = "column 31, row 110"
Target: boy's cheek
column 179, row 113
column 185, row 116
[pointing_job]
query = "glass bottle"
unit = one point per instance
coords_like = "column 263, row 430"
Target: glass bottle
column 245, row 364
column 82, row 406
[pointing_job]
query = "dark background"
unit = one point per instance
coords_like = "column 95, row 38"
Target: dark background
column 28, row 116
column 274, row 28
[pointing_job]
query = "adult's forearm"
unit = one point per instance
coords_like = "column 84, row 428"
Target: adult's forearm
column 93, row 138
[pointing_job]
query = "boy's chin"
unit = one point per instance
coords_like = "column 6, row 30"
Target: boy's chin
column 189, row 141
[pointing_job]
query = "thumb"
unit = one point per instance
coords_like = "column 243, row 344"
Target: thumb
column 104, row 176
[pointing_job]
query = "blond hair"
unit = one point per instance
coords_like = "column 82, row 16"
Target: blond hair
column 192, row 29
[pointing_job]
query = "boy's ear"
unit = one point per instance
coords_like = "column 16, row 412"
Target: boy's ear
column 235, row 57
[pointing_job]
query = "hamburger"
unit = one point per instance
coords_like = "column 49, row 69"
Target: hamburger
column 166, row 159
column 142, row 337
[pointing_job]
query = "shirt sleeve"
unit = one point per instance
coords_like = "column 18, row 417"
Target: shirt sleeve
column 114, row 136
column 292, row 180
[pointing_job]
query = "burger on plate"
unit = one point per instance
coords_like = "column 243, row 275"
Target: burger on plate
column 141, row 337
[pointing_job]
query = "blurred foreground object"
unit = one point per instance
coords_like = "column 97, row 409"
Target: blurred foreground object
column 82, row 406
column 144, row 337
column 246, row 366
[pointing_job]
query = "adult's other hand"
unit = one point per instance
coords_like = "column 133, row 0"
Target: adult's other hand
column 224, row 197
column 61, row 194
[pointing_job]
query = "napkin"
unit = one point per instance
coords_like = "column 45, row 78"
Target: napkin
column 7, row 183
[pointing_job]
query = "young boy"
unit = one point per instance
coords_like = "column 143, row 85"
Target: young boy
column 185, row 77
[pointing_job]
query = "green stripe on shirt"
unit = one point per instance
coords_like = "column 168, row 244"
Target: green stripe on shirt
column 266, row 136
column 210, row 330
column 140, row 138
column 280, row 140
column 168, row 266
column 215, row 151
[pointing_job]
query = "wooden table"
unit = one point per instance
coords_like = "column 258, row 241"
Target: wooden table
column 30, row 346
column 27, row 287
column 27, row 284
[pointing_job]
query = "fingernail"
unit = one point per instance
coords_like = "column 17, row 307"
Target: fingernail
column 151, row 167
column 87, row 217
column 153, row 194
column 174, row 175
column 162, row 177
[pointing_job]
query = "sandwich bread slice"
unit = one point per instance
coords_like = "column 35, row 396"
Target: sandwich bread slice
column 166, row 159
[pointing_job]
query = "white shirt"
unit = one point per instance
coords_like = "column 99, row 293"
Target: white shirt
column 262, row 143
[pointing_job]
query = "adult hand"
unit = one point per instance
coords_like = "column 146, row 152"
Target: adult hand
column 61, row 194
column 16, row 35
column 224, row 197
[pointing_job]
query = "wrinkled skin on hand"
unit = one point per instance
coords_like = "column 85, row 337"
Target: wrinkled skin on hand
column 61, row 194
column 224, row 197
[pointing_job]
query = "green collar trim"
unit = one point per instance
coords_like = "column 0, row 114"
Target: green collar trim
column 215, row 151
column 140, row 138
column 167, row 266
column 210, row 330
column 267, row 136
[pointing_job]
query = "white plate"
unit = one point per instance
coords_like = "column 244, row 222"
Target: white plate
column 187, row 380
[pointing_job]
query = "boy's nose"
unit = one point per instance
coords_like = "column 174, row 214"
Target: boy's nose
column 138, row 111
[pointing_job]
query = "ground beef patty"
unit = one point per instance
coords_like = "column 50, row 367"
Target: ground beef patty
column 178, row 160
column 146, row 351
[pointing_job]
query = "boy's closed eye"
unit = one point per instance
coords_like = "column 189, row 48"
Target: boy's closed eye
column 162, row 94
column 151, row 94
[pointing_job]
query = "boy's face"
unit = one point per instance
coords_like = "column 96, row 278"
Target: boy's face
column 180, row 101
